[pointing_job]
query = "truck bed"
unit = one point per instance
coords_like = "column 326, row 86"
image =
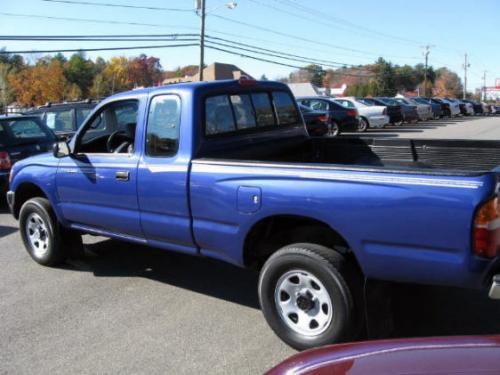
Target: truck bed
column 454, row 157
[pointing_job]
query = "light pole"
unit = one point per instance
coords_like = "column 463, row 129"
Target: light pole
column 426, row 55
column 466, row 66
column 200, row 7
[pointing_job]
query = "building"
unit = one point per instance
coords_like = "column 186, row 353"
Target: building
column 307, row 89
column 213, row 72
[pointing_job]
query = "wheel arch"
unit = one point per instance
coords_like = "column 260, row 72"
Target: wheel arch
column 24, row 192
column 271, row 233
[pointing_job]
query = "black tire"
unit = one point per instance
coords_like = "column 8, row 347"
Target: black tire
column 332, row 270
column 363, row 125
column 61, row 243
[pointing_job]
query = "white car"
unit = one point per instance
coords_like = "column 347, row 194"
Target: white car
column 424, row 111
column 454, row 107
column 370, row 116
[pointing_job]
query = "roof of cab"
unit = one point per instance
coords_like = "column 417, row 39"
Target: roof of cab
column 232, row 83
column 16, row 116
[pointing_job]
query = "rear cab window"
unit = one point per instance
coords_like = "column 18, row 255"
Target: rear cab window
column 246, row 111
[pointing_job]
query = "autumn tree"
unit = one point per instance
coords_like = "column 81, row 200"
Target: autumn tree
column 35, row 85
column 4, row 86
column 145, row 71
column 448, row 83
column 115, row 75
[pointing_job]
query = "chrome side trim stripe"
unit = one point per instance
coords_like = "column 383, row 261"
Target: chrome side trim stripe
column 352, row 177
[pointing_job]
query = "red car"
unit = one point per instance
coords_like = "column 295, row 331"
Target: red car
column 468, row 355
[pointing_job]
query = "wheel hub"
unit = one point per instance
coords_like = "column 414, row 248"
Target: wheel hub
column 37, row 234
column 303, row 303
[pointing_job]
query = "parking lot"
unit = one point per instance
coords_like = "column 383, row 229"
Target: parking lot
column 129, row 309
column 455, row 128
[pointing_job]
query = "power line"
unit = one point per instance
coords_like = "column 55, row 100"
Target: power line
column 3, row 52
column 215, row 41
column 72, row 19
column 175, row 37
column 351, row 27
column 97, row 38
column 295, row 37
column 114, row 5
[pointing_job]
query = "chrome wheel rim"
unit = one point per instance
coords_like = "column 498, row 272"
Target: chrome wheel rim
column 303, row 303
column 37, row 234
column 333, row 130
column 362, row 125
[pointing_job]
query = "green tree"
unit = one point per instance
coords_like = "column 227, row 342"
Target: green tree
column 80, row 71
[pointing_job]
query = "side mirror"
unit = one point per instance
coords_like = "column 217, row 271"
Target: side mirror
column 61, row 150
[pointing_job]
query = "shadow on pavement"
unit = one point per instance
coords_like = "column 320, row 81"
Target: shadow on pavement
column 418, row 310
column 437, row 311
column 202, row 275
column 6, row 230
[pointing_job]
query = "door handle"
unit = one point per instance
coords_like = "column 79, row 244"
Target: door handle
column 122, row 175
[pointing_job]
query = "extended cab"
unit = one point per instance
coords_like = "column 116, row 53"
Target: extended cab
column 226, row 170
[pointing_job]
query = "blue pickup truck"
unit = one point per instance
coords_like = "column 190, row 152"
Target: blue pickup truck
column 226, row 170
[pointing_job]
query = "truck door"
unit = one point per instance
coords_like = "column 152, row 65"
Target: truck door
column 97, row 186
column 163, row 177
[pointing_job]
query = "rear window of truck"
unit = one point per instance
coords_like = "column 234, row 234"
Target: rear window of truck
column 238, row 112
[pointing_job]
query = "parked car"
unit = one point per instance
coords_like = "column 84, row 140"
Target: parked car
column 478, row 108
column 369, row 116
column 341, row 119
column 466, row 109
column 20, row 137
column 226, row 169
column 64, row 118
column 318, row 122
column 437, row 111
column 394, row 110
column 409, row 112
column 424, row 110
column 455, row 355
column 451, row 109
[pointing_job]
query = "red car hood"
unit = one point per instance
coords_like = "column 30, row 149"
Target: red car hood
column 431, row 356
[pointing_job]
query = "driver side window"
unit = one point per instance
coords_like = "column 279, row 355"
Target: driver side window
column 112, row 129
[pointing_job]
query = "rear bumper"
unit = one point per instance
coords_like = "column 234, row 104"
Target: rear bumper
column 349, row 123
column 378, row 121
column 395, row 117
column 495, row 287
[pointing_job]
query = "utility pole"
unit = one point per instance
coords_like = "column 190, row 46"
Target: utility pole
column 484, row 85
column 200, row 8
column 466, row 66
column 426, row 54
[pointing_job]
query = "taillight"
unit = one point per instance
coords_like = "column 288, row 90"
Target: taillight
column 323, row 118
column 4, row 160
column 486, row 234
column 352, row 112
column 384, row 112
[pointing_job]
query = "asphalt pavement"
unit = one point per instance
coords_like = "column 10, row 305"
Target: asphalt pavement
column 131, row 309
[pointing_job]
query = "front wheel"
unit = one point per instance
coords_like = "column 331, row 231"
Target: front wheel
column 333, row 130
column 305, row 297
column 46, row 242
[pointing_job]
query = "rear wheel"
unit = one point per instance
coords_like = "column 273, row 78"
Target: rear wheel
column 363, row 125
column 46, row 242
column 305, row 296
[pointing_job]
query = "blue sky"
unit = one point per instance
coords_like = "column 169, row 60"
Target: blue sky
column 353, row 32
